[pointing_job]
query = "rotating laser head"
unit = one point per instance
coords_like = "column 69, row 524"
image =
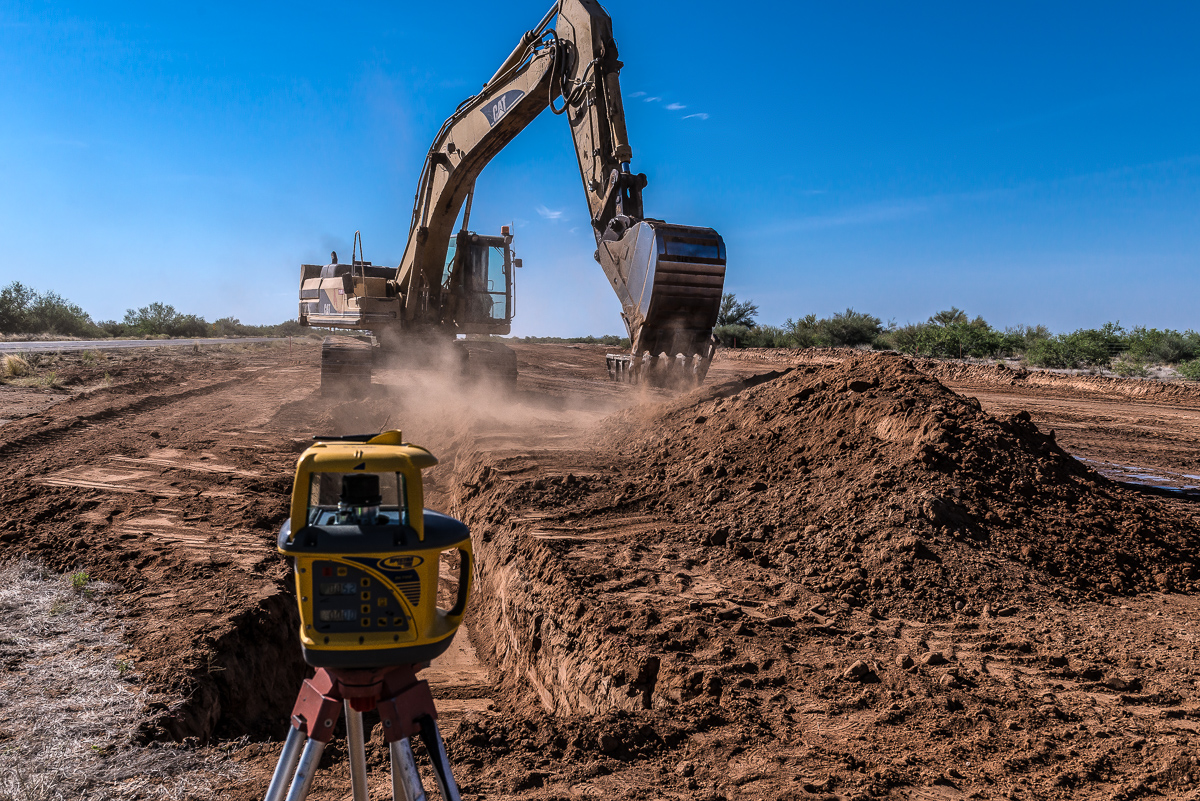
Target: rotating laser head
column 367, row 555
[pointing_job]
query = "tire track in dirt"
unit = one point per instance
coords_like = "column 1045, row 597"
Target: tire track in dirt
column 73, row 425
column 183, row 518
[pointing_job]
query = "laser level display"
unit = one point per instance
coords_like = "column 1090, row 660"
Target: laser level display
column 367, row 555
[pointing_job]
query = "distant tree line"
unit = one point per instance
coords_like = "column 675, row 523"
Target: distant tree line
column 952, row 333
column 24, row 310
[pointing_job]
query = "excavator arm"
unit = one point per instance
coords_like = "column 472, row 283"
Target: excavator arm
column 669, row 278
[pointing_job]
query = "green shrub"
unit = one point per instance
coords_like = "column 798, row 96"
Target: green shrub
column 959, row 340
column 732, row 336
column 947, row 334
column 733, row 312
column 1190, row 370
column 114, row 329
column 25, row 311
column 948, row 317
column 905, row 338
column 1018, row 339
column 1048, row 353
column 741, row 336
column 802, row 333
column 232, row 327
column 767, row 336
column 1163, row 347
column 1129, row 368
column 848, row 329
column 161, row 319
column 15, row 300
column 1087, row 347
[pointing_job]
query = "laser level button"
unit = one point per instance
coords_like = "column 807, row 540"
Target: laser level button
column 381, row 601
column 382, row 621
column 366, row 609
column 341, row 571
column 366, row 621
column 365, row 581
column 366, row 596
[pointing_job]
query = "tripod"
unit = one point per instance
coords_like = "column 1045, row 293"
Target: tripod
column 405, row 707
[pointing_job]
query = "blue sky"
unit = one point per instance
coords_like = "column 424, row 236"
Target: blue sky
column 1032, row 163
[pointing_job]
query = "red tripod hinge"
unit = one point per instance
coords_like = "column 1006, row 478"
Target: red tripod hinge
column 315, row 712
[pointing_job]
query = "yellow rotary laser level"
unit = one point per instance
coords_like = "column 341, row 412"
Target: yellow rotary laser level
column 367, row 554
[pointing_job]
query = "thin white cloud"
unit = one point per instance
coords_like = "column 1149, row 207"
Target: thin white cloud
column 573, row 229
column 638, row 94
column 549, row 214
column 652, row 99
column 699, row 115
column 675, row 107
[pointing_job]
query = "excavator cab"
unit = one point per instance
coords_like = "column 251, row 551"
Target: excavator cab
column 477, row 283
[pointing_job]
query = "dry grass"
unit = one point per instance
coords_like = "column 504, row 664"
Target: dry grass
column 72, row 705
column 48, row 379
column 14, row 367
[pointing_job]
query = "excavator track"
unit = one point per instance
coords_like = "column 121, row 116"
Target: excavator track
column 346, row 364
column 493, row 362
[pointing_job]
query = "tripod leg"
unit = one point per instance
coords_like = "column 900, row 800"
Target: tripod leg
column 441, row 763
column 406, row 781
column 302, row 781
column 287, row 763
column 356, row 745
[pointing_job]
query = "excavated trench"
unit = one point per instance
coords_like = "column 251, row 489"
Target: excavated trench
column 531, row 632
column 246, row 683
column 250, row 676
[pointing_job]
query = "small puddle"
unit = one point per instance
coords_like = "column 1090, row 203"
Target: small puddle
column 1155, row 478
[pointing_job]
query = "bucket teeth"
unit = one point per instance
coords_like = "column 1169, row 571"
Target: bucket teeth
column 679, row 372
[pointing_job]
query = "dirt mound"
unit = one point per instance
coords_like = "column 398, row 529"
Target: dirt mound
column 779, row 587
column 885, row 488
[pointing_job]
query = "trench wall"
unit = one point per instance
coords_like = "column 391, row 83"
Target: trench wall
column 534, row 625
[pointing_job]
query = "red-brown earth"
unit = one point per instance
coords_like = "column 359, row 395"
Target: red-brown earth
column 824, row 574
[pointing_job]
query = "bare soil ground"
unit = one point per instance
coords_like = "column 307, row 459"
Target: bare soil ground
column 823, row 575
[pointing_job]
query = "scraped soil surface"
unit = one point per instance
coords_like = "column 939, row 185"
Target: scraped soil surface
column 824, row 574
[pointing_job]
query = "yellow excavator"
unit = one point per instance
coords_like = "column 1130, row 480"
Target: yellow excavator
column 669, row 278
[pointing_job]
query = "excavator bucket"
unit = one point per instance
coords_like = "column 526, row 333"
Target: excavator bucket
column 675, row 277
